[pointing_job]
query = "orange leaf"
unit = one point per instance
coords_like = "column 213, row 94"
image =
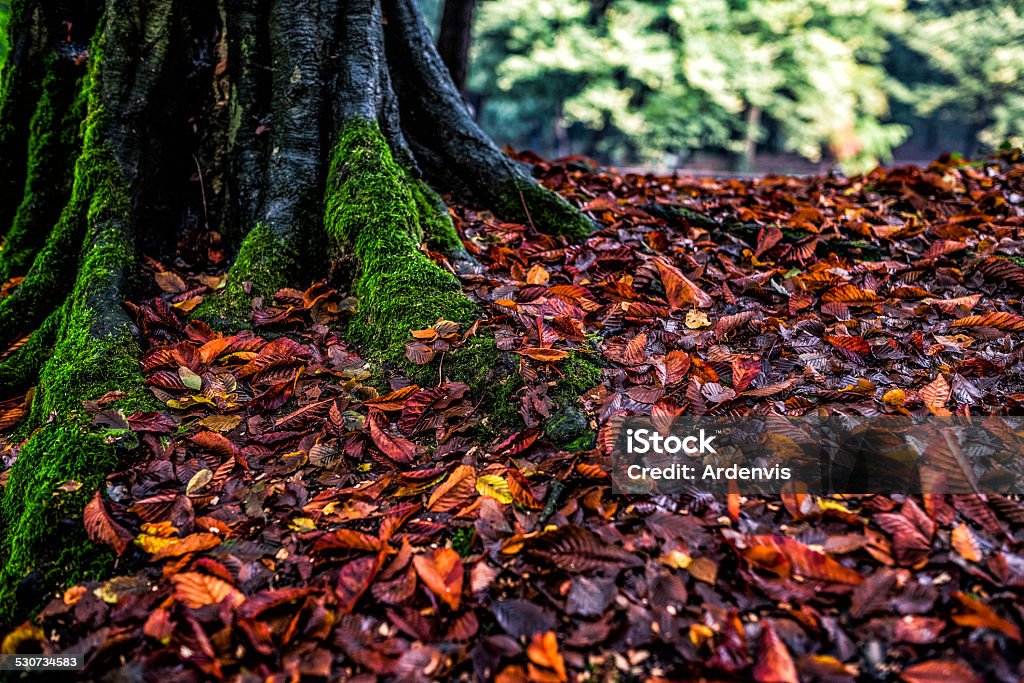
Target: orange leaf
column 680, row 291
column 850, row 294
column 1010, row 322
column 939, row 671
column 545, row 355
column 537, row 275
column 981, row 615
column 543, row 651
column 442, row 574
column 198, row 590
column 783, row 554
column 394, row 400
column 937, row 393
column 190, row 544
column 457, row 490
column 964, row 542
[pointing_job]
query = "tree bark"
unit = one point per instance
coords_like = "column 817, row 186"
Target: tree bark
column 338, row 123
column 454, row 40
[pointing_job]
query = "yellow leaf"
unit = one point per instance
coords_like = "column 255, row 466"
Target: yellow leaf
column 302, row 525
column 156, row 537
column 198, row 481
column 493, row 486
column 697, row 319
column 699, row 633
column 895, row 398
column 23, row 635
column 537, row 275
column 676, row 559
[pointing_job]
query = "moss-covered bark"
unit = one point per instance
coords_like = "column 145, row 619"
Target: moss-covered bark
column 53, row 142
column 92, row 252
column 435, row 224
column 371, row 213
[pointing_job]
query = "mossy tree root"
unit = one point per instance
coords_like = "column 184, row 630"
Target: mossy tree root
column 19, row 89
column 371, row 213
column 53, row 144
column 94, row 343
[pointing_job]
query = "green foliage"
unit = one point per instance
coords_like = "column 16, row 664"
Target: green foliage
column 974, row 63
column 660, row 79
column 371, row 211
column 5, row 12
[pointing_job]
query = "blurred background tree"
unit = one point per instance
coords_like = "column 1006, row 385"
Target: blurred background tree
column 5, row 9
column 679, row 82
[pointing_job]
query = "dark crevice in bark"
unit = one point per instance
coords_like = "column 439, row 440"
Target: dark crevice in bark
column 249, row 69
column 454, row 39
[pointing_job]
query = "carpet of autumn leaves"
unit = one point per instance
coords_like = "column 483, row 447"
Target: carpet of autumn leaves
column 283, row 519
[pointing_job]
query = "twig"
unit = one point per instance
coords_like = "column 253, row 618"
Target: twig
column 202, row 191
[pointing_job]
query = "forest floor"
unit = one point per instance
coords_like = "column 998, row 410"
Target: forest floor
column 287, row 516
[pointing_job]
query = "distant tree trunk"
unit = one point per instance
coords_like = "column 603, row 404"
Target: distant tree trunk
column 324, row 128
column 454, row 39
column 751, row 127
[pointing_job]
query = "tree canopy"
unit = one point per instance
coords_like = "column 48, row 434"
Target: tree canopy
column 655, row 81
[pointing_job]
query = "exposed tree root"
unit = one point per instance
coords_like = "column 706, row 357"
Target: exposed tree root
column 371, row 213
column 95, row 350
column 450, row 147
column 274, row 251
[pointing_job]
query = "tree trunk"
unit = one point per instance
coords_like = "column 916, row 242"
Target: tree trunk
column 315, row 121
column 454, row 39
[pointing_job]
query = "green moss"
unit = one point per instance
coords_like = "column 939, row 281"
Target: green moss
column 462, row 540
column 54, row 138
column 436, row 224
column 1019, row 260
column 528, row 202
column 580, row 373
column 568, row 425
column 21, row 369
column 95, row 352
column 504, row 409
column 370, row 213
column 44, row 540
column 97, row 194
column 265, row 264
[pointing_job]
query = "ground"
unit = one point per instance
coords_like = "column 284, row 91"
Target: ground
column 294, row 510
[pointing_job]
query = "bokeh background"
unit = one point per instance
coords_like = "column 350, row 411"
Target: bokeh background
column 737, row 86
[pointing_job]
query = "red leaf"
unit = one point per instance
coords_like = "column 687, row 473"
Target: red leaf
column 101, row 528
column 774, row 663
column 398, row 448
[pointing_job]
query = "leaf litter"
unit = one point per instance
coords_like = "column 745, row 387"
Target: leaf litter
column 289, row 517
